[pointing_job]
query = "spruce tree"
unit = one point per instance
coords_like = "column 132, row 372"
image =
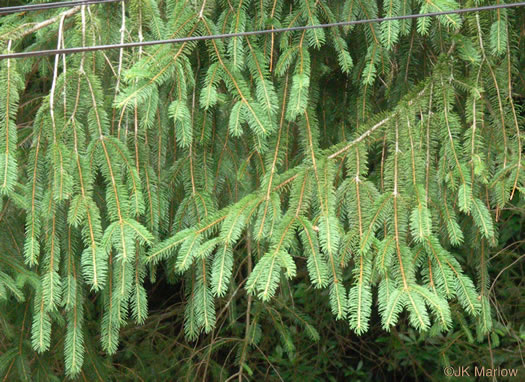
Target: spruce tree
column 364, row 157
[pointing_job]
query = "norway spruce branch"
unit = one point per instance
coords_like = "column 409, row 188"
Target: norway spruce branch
column 371, row 170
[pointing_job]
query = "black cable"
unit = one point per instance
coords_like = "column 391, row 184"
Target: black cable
column 44, row 6
column 250, row 33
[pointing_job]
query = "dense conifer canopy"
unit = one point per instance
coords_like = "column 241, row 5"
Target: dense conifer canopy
column 366, row 159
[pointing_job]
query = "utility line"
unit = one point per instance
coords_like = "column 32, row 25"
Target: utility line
column 251, row 33
column 44, row 6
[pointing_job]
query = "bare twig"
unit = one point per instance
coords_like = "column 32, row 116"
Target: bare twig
column 371, row 130
column 201, row 12
column 503, row 270
column 48, row 22
column 55, row 75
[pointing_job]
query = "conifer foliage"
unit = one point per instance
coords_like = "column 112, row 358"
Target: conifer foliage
column 362, row 157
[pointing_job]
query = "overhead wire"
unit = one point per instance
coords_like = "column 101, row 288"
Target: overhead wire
column 45, row 6
column 92, row 48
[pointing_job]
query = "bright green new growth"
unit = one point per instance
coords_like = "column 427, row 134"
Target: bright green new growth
column 362, row 157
